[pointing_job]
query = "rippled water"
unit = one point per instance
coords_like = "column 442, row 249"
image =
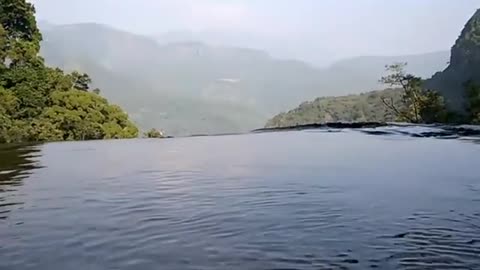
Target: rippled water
column 288, row 200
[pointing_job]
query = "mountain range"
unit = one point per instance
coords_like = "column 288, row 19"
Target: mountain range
column 190, row 87
column 462, row 67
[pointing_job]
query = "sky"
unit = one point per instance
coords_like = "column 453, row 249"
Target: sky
column 318, row 31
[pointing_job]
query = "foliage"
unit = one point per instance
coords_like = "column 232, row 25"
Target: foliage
column 418, row 105
column 353, row 108
column 153, row 133
column 38, row 103
column 18, row 19
column 473, row 102
column 86, row 116
column 81, row 81
column 407, row 101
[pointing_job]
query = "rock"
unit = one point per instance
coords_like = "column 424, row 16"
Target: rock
column 464, row 66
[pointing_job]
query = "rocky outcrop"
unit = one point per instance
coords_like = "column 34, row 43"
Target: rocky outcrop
column 464, row 66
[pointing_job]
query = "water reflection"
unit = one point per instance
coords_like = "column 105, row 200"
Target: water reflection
column 17, row 162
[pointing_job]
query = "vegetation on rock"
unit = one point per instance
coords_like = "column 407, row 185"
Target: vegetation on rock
column 417, row 105
column 153, row 133
column 39, row 103
column 352, row 108
column 473, row 102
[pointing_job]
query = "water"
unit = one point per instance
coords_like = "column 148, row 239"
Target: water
column 288, row 200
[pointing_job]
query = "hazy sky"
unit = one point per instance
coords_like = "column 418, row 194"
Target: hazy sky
column 316, row 30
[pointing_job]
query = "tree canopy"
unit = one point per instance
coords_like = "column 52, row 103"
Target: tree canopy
column 40, row 103
column 418, row 105
column 473, row 102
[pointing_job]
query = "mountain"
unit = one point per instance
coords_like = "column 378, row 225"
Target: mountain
column 188, row 87
column 464, row 65
column 186, row 68
column 138, row 73
column 279, row 46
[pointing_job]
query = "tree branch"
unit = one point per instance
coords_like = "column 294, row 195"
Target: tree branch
column 393, row 108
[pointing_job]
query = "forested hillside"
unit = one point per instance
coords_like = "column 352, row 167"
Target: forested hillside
column 352, row 108
column 40, row 103
column 191, row 87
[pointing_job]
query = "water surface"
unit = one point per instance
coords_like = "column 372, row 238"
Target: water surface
column 288, row 200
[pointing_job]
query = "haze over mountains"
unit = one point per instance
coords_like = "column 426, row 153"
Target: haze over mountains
column 187, row 86
column 453, row 83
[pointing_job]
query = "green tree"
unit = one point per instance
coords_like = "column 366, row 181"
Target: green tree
column 8, row 102
column 81, row 81
column 38, row 103
column 3, row 48
column 8, row 105
column 417, row 104
column 86, row 116
column 473, row 102
column 18, row 19
column 21, row 36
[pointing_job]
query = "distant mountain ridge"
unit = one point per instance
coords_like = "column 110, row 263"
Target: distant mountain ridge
column 191, row 87
column 421, row 65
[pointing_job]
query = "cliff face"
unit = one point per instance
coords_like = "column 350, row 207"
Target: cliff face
column 464, row 65
column 466, row 50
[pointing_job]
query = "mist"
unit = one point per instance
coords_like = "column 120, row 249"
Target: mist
column 210, row 66
column 318, row 32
